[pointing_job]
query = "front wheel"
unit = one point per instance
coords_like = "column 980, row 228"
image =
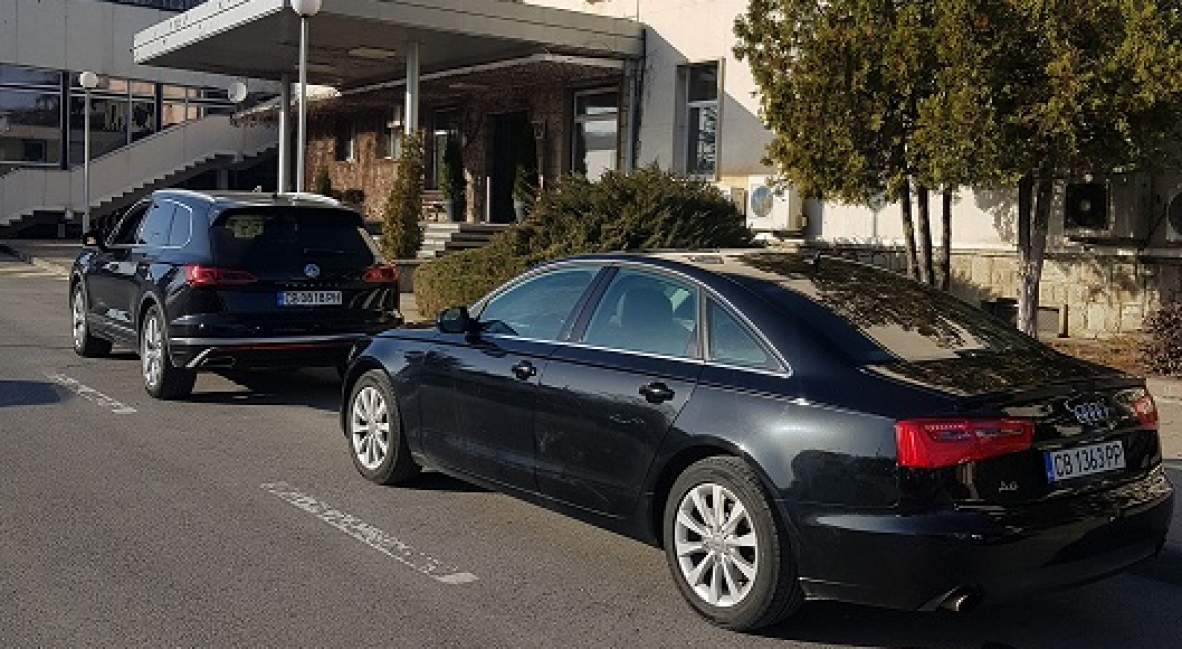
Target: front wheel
column 374, row 431
column 85, row 344
column 162, row 379
column 728, row 554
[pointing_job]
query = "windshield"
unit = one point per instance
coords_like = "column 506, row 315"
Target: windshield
column 276, row 239
column 905, row 319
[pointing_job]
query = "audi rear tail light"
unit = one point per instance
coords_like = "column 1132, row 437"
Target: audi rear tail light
column 198, row 275
column 935, row 443
column 1146, row 410
column 382, row 274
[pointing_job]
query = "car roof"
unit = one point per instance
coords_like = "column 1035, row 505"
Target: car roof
column 223, row 199
column 784, row 266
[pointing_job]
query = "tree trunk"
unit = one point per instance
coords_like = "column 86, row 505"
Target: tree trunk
column 946, row 241
column 908, row 231
column 924, row 214
column 1034, row 216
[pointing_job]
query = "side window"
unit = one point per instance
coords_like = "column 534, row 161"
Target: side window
column 157, row 224
column 646, row 312
column 125, row 231
column 731, row 342
column 178, row 234
column 540, row 306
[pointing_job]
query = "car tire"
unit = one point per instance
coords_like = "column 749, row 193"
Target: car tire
column 162, row 379
column 737, row 572
column 373, row 431
column 85, row 344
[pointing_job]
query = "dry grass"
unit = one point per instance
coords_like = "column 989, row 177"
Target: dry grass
column 1122, row 352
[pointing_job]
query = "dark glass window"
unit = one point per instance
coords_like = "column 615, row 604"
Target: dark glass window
column 346, row 142
column 282, row 240
column 18, row 75
column 646, row 312
column 596, row 133
column 124, row 233
column 538, row 307
column 731, row 342
column 700, row 89
column 182, row 225
column 157, row 224
column 29, row 126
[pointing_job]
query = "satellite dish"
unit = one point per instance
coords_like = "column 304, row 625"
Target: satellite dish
column 236, row 92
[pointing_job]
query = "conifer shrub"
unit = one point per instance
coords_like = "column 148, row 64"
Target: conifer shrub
column 645, row 210
column 1163, row 350
column 401, row 233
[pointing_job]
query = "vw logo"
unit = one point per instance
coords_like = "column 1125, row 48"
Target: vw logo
column 312, row 271
column 1089, row 412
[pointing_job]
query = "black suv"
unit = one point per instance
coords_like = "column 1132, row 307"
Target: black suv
column 219, row 280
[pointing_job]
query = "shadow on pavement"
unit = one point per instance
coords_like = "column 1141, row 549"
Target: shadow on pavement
column 435, row 481
column 28, row 393
column 319, row 389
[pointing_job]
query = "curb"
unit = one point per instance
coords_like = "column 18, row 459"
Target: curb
column 1165, row 388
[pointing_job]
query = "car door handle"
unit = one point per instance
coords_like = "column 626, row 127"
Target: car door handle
column 656, row 392
column 525, row 370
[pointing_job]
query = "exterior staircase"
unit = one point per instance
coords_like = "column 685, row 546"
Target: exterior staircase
column 442, row 238
column 118, row 179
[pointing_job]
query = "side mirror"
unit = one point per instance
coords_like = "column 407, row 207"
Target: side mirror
column 94, row 239
column 456, row 320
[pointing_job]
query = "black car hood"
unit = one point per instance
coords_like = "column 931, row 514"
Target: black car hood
column 989, row 373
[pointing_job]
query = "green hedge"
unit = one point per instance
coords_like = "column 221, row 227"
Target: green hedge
column 645, row 210
column 1163, row 352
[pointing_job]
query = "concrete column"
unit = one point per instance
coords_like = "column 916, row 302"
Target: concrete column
column 283, row 183
column 411, row 124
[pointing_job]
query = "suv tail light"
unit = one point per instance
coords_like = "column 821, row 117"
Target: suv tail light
column 384, row 274
column 197, row 275
column 934, row 443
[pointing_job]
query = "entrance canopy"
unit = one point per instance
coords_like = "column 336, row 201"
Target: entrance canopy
column 357, row 43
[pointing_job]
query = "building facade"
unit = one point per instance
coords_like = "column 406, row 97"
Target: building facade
column 548, row 87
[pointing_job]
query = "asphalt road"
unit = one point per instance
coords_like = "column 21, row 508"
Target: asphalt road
column 235, row 519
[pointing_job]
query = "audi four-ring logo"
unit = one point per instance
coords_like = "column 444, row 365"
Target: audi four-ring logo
column 1092, row 412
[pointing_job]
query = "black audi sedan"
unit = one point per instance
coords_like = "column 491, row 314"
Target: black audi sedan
column 786, row 427
column 206, row 280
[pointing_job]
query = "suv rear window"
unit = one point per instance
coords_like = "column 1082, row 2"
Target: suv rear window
column 905, row 319
column 266, row 239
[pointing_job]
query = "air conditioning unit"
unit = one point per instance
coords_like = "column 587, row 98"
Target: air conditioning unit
column 1113, row 208
column 772, row 210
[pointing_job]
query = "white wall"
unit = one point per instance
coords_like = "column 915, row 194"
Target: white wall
column 85, row 35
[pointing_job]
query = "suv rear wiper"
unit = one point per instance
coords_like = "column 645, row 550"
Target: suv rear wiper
column 325, row 251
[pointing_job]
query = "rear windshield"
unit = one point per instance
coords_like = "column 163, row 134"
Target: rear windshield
column 900, row 318
column 277, row 238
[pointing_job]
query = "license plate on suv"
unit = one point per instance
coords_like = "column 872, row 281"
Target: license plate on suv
column 309, row 298
column 1084, row 461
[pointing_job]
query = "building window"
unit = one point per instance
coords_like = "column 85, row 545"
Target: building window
column 30, row 130
column 445, row 127
column 345, row 148
column 388, row 138
column 596, row 132
column 699, row 117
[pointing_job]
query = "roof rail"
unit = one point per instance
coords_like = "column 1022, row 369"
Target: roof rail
column 309, row 196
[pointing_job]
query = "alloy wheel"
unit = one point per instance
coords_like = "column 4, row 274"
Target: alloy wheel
column 152, row 351
column 716, row 545
column 78, row 318
column 369, row 427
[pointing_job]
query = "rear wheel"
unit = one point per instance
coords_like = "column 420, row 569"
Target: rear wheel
column 374, row 431
column 728, row 554
column 162, row 379
column 84, row 343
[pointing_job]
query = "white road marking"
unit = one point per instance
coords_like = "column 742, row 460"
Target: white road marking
column 90, row 394
column 370, row 535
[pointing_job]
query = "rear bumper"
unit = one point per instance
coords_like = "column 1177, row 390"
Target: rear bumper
column 915, row 562
column 272, row 351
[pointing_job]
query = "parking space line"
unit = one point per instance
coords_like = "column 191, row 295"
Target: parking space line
column 370, row 535
column 90, row 394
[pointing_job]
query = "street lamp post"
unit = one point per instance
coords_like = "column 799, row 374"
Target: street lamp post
column 306, row 9
column 89, row 81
